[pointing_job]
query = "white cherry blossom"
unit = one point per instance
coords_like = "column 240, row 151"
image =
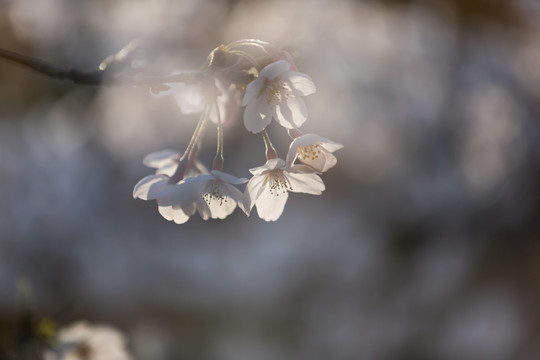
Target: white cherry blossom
column 212, row 195
column 277, row 93
column 166, row 161
column 314, row 151
column 191, row 100
column 82, row 341
column 182, row 186
column 269, row 187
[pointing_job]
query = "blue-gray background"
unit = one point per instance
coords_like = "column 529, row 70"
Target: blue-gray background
column 425, row 244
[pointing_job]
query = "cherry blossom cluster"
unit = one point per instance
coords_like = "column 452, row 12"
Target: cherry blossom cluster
column 264, row 80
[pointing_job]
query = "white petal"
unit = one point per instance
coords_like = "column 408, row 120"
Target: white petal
column 274, row 70
column 228, row 178
column 152, row 187
column 291, row 113
column 318, row 163
column 188, row 98
column 258, row 170
column 331, row 146
column 270, row 164
column 237, row 196
column 273, row 164
column 270, row 205
column 325, row 160
column 306, row 183
column 222, row 207
column 300, row 169
column 300, row 84
column 330, row 162
column 168, row 169
column 253, row 189
column 292, row 154
column 179, row 216
column 256, row 116
column 200, row 178
column 187, row 192
column 161, row 158
column 203, row 209
column 309, row 139
column 252, row 91
column 166, row 212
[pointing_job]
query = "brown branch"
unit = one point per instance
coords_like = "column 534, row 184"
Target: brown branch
column 96, row 77
column 105, row 75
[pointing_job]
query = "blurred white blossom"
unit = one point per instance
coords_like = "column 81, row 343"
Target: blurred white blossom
column 276, row 94
column 213, row 195
column 82, row 341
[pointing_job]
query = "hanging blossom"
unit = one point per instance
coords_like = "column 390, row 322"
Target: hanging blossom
column 276, row 94
column 166, row 163
column 191, row 99
column 82, row 341
column 213, row 194
column 314, row 151
column 189, row 188
column 269, row 187
column 265, row 80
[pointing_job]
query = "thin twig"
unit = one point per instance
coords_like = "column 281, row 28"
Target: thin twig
column 99, row 77
column 78, row 77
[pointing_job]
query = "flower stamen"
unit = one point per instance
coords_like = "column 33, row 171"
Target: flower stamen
column 275, row 92
column 215, row 194
column 278, row 181
column 309, row 152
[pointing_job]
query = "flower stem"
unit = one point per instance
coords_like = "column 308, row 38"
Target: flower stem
column 270, row 150
column 191, row 151
column 294, row 133
column 218, row 160
column 248, row 57
column 246, row 42
column 196, row 134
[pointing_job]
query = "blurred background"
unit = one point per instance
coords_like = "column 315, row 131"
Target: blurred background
column 425, row 244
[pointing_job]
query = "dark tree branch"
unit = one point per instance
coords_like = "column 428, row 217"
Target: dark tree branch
column 107, row 75
column 96, row 77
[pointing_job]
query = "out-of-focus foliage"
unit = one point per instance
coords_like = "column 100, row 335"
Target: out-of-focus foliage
column 425, row 244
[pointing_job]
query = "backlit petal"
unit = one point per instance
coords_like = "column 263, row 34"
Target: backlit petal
column 270, row 205
column 228, row 178
column 188, row 98
column 179, row 216
column 291, row 113
column 256, row 117
column 274, row 70
column 300, row 84
column 187, row 192
column 252, row 91
column 223, row 206
column 152, row 187
column 306, row 183
column 161, row 158
column 253, row 190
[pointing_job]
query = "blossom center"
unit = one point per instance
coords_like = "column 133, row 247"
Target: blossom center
column 279, row 183
column 214, row 194
column 309, row 152
column 275, row 92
